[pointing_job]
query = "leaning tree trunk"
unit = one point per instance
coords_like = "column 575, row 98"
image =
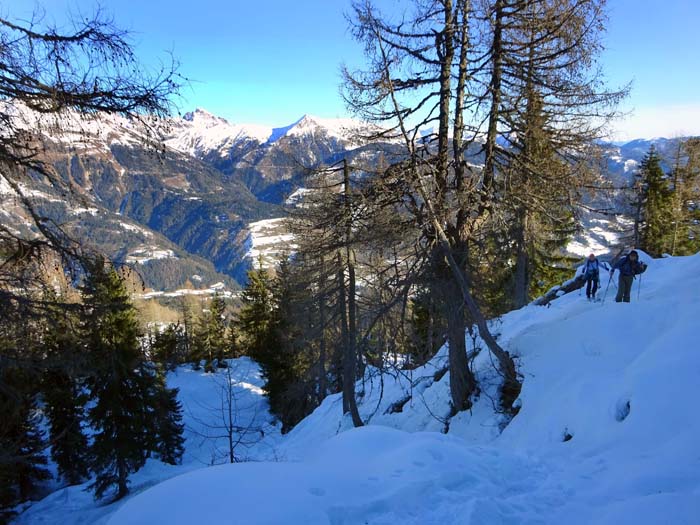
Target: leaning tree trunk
column 511, row 385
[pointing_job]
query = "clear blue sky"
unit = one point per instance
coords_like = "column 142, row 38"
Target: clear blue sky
column 271, row 61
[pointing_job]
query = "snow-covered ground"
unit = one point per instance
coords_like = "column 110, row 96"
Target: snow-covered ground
column 607, row 434
column 214, row 289
column 268, row 239
column 202, row 396
column 143, row 254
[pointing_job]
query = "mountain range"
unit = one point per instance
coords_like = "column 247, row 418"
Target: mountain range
column 200, row 205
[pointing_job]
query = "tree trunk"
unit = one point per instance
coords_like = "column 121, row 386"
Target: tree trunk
column 521, row 292
column 348, row 309
column 490, row 147
column 462, row 380
column 349, row 364
column 322, row 387
column 511, row 386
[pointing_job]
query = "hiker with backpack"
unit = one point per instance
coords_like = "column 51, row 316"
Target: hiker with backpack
column 591, row 274
column 629, row 267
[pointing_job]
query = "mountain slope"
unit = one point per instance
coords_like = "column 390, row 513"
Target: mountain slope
column 271, row 162
column 607, row 433
column 204, row 193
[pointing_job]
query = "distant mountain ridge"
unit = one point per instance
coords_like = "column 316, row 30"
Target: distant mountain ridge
column 197, row 203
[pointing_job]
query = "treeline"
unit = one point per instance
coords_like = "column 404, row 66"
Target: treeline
column 205, row 340
column 666, row 205
column 79, row 386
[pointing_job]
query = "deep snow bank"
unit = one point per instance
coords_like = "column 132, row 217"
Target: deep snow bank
column 607, row 433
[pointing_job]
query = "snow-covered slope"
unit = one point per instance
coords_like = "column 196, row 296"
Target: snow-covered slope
column 202, row 396
column 200, row 133
column 607, row 433
column 268, row 241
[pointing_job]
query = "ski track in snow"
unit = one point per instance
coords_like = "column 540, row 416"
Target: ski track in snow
column 607, row 434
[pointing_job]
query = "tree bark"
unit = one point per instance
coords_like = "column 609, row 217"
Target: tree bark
column 350, row 315
column 521, row 295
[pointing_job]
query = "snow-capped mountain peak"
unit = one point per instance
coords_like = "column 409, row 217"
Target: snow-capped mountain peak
column 203, row 118
column 199, row 132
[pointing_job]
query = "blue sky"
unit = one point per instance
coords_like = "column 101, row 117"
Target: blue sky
column 272, row 61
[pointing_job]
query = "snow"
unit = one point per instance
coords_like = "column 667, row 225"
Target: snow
column 80, row 131
column 297, row 196
column 338, row 128
column 618, row 380
column 595, row 239
column 200, row 395
column 5, row 188
column 268, row 239
column 373, row 475
column 135, row 228
column 200, row 133
column 149, row 253
column 630, row 165
column 214, row 289
column 81, row 210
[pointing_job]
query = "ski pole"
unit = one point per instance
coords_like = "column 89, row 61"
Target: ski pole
column 606, row 288
column 639, row 289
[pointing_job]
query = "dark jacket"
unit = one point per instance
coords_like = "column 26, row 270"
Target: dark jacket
column 591, row 268
column 627, row 267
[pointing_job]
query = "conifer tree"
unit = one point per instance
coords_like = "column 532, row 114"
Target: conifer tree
column 209, row 341
column 256, row 316
column 167, row 346
column 22, row 445
column 64, row 396
column 686, row 198
column 654, row 205
column 134, row 414
column 23, row 450
column 166, row 420
column 65, row 404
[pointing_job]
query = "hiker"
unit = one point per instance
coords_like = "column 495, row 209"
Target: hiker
column 591, row 273
column 629, row 266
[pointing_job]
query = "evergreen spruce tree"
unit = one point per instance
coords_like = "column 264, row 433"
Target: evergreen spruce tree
column 134, row 414
column 22, row 451
column 65, row 404
column 686, row 199
column 270, row 327
column 256, row 316
column 64, row 396
column 654, row 204
column 167, row 346
column 210, row 342
column 289, row 361
column 166, row 421
column 233, row 347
